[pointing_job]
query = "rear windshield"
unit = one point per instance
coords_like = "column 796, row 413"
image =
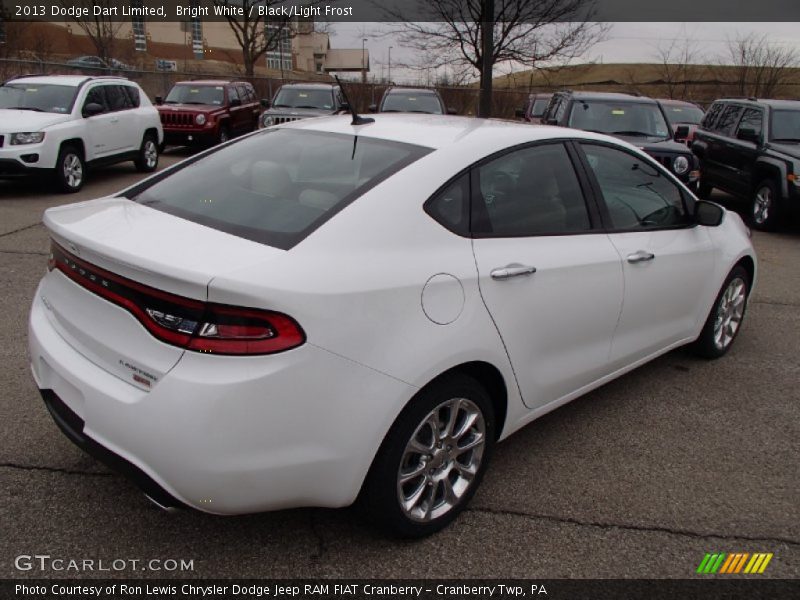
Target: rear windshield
column 196, row 94
column 279, row 185
column 412, row 102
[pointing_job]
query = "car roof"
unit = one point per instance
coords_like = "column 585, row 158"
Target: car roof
column 410, row 90
column 618, row 96
column 674, row 102
column 208, row 82
column 443, row 131
column 321, row 86
column 69, row 80
column 794, row 104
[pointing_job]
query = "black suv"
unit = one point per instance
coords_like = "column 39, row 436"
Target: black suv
column 635, row 119
column 751, row 149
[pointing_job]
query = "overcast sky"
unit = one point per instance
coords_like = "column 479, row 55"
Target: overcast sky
column 625, row 43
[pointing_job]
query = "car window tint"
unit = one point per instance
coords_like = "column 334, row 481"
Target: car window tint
column 133, row 95
column 96, row 95
column 711, row 115
column 232, row 93
column 450, row 206
column 638, row 194
column 751, row 119
column 116, row 97
column 560, row 109
column 530, row 191
column 278, row 186
column 727, row 119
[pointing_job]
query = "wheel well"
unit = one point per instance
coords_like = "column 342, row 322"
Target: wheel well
column 747, row 263
column 77, row 142
column 766, row 172
column 492, row 380
column 151, row 131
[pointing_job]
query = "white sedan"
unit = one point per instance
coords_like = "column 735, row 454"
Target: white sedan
column 322, row 312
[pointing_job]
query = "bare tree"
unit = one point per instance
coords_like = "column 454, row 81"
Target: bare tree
column 676, row 66
column 102, row 30
column 761, row 67
column 255, row 32
column 486, row 33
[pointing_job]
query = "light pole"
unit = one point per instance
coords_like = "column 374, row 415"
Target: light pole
column 390, row 63
column 363, row 61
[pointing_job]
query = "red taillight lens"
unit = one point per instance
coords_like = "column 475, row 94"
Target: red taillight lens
column 191, row 324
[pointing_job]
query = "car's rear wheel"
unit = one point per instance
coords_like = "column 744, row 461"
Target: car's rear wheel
column 726, row 316
column 147, row 159
column 432, row 460
column 70, row 171
column 764, row 210
column 224, row 134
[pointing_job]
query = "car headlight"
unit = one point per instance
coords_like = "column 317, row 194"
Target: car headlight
column 27, row 138
column 267, row 121
column 680, row 165
column 200, row 119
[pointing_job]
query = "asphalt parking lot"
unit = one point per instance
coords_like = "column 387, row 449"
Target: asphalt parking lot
column 638, row 479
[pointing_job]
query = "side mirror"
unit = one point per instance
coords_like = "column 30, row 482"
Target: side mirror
column 235, row 102
column 451, row 111
column 265, row 103
column 92, row 109
column 159, row 100
column 708, row 213
column 519, row 113
column 749, row 135
column 373, row 108
column 681, row 132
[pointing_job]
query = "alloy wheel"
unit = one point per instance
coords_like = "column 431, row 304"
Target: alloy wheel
column 73, row 170
column 150, row 154
column 730, row 311
column 762, row 205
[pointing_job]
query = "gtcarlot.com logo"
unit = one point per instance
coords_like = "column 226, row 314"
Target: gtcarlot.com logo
column 734, row 563
column 46, row 562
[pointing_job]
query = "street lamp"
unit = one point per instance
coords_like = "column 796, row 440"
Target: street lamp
column 390, row 63
column 363, row 61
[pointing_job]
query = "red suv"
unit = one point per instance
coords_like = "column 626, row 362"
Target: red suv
column 208, row 112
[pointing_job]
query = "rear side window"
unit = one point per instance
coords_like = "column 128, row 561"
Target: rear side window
column 728, row 119
column 117, row 98
column 450, row 206
column 277, row 187
column 752, row 119
column 711, row 115
column 133, row 95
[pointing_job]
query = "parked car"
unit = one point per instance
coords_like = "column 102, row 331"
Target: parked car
column 95, row 63
column 683, row 118
column 534, row 108
column 751, row 149
column 61, row 125
column 636, row 119
column 411, row 100
column 295, row 101
column 323, row 312
column 208, row 112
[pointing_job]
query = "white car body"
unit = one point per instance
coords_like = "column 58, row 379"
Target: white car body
column 105, row 138
column 388, row 298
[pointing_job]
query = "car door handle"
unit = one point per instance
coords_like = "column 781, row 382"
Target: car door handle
column 640, row 256
column 512, row 270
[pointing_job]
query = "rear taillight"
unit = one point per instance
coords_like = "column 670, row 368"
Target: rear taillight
column 190, row 324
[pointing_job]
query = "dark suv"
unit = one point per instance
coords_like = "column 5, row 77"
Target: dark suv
column 751, row 149
column 208, row 112
column 534, row 108
column 295, row 101
column 635, row 119
column 414, row 100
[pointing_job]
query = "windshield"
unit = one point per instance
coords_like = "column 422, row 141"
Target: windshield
column 786, row 125
column 412, row 102
column 619, row 118
column 278, row 186
column 690, row 115
column 539, row 105
column 196, row 94
column 304, row 98
column 37, row 97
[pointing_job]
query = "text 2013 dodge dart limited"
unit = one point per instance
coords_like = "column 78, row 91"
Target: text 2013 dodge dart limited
column 323, row 312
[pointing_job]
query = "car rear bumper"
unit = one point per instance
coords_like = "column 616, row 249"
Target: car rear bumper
column 224, row 435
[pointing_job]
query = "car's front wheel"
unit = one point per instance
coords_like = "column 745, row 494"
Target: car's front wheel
column 70, row 170
column 764, row 208
column 432, row 460
column 726, row 316
column 147, row 159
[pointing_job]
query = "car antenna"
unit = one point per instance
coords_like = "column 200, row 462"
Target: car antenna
column 357, row 119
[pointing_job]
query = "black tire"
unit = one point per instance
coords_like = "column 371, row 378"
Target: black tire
column 764, row 207
column 380, row 495
column 146, row 160
column 703, row 190
column 708, row 344
column 224, row 134
column 70, row 170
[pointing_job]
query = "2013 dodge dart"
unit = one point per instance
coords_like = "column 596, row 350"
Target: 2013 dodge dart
column 326, row 312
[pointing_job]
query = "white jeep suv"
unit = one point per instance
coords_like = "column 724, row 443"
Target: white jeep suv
column 63, row 124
